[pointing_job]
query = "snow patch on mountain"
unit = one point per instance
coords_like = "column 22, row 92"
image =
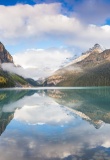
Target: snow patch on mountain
column 96, row 48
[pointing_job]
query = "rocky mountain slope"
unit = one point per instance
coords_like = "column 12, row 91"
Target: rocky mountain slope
column 92, row 68
column 9, row 79
column 5, row 55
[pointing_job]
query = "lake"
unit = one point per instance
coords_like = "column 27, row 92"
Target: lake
column 55, row 124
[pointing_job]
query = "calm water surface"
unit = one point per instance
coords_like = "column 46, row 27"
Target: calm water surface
column 55, row 124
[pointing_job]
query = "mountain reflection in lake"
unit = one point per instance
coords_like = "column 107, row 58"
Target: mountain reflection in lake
column 64, row 124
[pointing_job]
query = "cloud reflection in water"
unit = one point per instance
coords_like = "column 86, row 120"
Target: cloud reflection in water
column 44, row 129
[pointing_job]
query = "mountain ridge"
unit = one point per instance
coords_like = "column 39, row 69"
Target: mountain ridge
column 91, row 70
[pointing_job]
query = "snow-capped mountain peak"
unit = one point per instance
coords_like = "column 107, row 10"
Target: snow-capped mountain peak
column 96, row 48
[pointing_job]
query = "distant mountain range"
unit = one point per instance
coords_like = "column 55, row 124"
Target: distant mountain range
column 92, row 68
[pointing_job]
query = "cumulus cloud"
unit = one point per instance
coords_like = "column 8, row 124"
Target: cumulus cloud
column 90, row 35
column 38, row 63
column 44, row 110
column 32, row 23
column 52, row 114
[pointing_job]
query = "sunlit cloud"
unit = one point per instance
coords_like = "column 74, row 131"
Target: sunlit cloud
column 38, row 63
column 33, row 23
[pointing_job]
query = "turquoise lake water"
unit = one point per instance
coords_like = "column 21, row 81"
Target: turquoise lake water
column 55, row 124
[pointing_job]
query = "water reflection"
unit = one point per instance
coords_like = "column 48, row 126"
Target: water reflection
column 93, row 103
column 55, row 124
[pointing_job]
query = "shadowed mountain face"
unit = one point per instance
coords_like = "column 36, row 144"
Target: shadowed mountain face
column 5, row 56
column 90, row 69
column 90, row 104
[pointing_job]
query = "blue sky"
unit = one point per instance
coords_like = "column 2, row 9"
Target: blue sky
column 66, row 3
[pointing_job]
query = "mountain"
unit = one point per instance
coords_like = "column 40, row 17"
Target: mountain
column 5, row 56
column 8, row 79
column 92, row 68
column 12, row 80
column 95, row 48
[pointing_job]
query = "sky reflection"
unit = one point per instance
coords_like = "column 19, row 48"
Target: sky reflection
column 44, row 129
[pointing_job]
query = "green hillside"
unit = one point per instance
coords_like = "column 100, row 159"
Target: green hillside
column 11, row 80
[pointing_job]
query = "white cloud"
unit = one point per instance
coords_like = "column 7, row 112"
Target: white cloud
column 38, row 63
column 25, row 23
column 51, row 114
column 38, row 109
